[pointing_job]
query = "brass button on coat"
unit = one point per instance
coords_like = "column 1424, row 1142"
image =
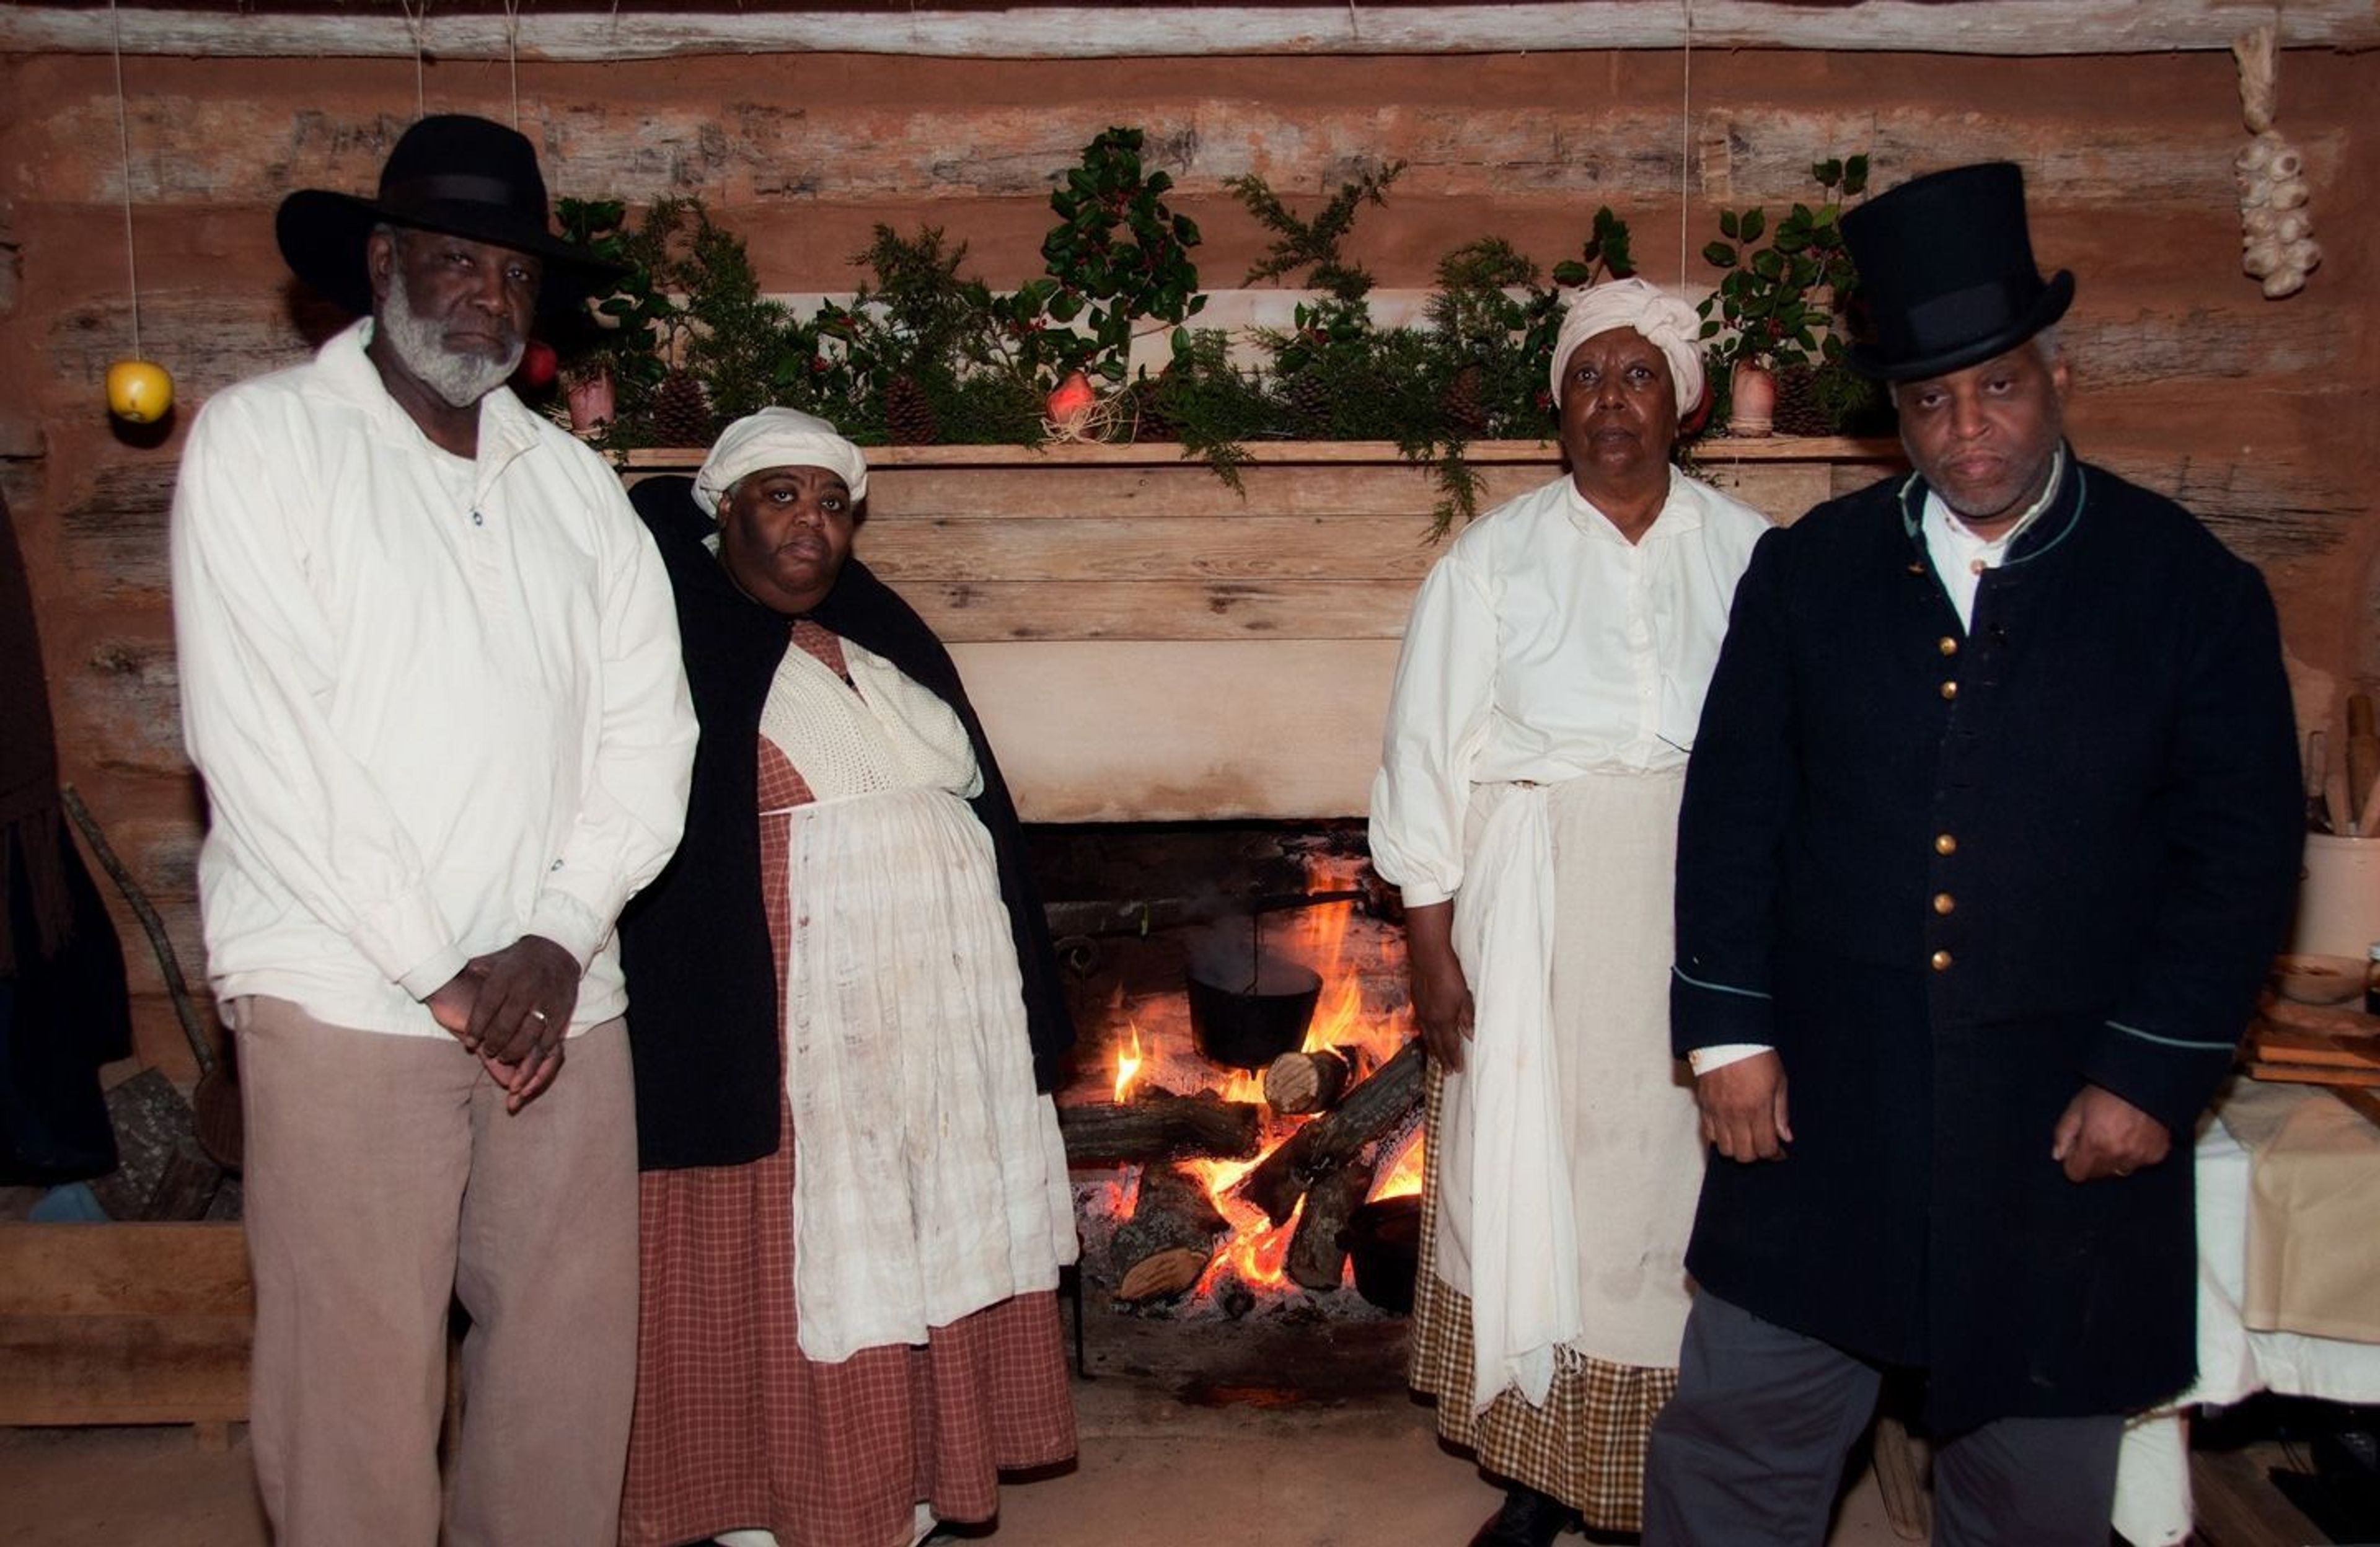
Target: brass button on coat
column 1944, row 902
column 1945, row 843
column 1947, row 645
column 1949, row 689
column 1941, row 960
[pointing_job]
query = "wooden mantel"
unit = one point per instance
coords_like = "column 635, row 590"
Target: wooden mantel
column 1147, row 645
column 591, row 30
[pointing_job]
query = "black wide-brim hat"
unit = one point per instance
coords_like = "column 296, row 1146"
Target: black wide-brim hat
column 1947, row 272
column 455, row 173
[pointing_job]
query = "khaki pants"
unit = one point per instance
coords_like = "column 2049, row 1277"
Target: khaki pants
column 385, row 1179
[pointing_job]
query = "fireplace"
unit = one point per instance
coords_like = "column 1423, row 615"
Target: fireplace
column 1213, row 1195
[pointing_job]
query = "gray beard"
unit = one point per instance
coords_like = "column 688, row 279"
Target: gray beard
column 460, row 379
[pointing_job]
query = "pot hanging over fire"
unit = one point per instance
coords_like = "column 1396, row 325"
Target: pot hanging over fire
column 1246, row 1012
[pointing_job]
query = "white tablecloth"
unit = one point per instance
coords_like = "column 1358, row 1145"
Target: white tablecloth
column 2153, row 1470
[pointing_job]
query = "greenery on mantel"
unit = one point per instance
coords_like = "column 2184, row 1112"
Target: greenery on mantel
column 925, row 354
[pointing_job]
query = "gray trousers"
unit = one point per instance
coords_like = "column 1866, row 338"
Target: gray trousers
column 1750, row 1452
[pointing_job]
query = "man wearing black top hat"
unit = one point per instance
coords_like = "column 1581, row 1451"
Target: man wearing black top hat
column 1990, row 830
column 429, row 670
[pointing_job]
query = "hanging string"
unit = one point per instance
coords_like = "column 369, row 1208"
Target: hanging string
column 414, row 19
column 124, row 152
column 511, row 53
column 1686, row 133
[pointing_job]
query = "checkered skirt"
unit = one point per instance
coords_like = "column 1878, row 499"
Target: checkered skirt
column 735, row 1427
column 1586, row 1447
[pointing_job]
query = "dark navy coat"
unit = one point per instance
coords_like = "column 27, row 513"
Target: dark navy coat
column 1953, row 873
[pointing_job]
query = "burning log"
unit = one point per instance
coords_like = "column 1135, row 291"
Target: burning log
column 1317, row 1257
column 1160, row 1128
column 1308, row 1081
column 1161, row 1251
column 1328, row 1142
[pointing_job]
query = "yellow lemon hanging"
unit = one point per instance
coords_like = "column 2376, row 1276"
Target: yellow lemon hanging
column 139, row 391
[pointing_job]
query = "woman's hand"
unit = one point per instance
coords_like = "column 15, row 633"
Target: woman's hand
column 1441, row 995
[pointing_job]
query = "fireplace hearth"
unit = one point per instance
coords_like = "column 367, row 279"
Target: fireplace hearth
column 1211, row 1196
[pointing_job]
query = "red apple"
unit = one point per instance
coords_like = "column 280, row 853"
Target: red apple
column 537, row 364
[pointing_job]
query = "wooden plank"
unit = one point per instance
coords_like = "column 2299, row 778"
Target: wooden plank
column 73, row 1370
column 970, row 611
column 197, row 1269
column 1270, row 454
column 1183, row 731
column 2000, row 27
column 1089, row 548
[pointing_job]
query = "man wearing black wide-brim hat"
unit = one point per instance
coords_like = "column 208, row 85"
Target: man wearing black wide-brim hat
column 430, row 671
column 1990, row 829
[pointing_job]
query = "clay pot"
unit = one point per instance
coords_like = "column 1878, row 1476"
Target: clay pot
column 592, row 401
column 1752, row 399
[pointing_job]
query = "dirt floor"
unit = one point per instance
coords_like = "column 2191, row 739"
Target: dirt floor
column 1156, row 1471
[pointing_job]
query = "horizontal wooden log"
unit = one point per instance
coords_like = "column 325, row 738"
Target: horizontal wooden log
column 484, row 32
column 1160, row 1128
column 206, row 146
column 119, row 707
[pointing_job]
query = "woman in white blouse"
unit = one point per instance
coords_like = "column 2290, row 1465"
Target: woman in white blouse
column 1545, row 705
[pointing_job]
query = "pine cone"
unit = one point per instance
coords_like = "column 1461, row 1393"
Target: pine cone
column 909, row 416
column 1152, row 422
column 681, row 413
column 1308, row 400
column 1466, row 413
column 1798, row 410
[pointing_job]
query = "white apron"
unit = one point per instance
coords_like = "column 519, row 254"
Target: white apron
column 929, row 1180
column 1571, row 1153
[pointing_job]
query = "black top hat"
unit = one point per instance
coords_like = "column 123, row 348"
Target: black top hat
column 1947, row 272
column 454, row 172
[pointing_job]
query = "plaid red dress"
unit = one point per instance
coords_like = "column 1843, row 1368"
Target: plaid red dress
column 736, row 1429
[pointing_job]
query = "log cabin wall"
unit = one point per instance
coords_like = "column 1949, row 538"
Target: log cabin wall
column 2258, row 414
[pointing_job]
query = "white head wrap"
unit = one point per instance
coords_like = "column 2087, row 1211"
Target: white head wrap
column 776, row 438
column 1669, row 324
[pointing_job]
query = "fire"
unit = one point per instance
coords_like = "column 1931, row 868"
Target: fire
column 1257, row 1250
column 1401, row 1176
column 1128, row 1064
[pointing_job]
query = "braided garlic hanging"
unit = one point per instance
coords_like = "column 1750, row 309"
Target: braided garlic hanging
column 2277, row 243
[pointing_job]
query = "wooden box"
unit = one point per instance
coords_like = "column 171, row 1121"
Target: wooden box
column 124, row 1323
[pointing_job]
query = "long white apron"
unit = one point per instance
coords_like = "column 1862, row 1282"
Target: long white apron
column 929, row 1179
column 1570, row 1100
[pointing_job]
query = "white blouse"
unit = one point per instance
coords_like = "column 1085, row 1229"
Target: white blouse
column 1545, row 644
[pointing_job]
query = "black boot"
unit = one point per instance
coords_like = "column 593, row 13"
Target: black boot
column 1528, row 1519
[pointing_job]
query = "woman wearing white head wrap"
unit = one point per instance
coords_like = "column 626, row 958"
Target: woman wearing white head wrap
column 1545, row 703
column 854, row 1199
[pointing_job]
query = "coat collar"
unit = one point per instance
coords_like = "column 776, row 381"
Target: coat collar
column 2057, row 521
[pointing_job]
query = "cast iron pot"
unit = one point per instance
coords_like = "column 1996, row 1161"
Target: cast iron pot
column 1252, row 1020
column 1383, row 1238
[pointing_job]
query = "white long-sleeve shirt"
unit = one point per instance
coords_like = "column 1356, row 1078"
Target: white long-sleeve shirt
column 439, row 702
column 1542, row 645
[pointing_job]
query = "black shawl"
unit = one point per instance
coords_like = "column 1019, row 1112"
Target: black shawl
column 702, row 1017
